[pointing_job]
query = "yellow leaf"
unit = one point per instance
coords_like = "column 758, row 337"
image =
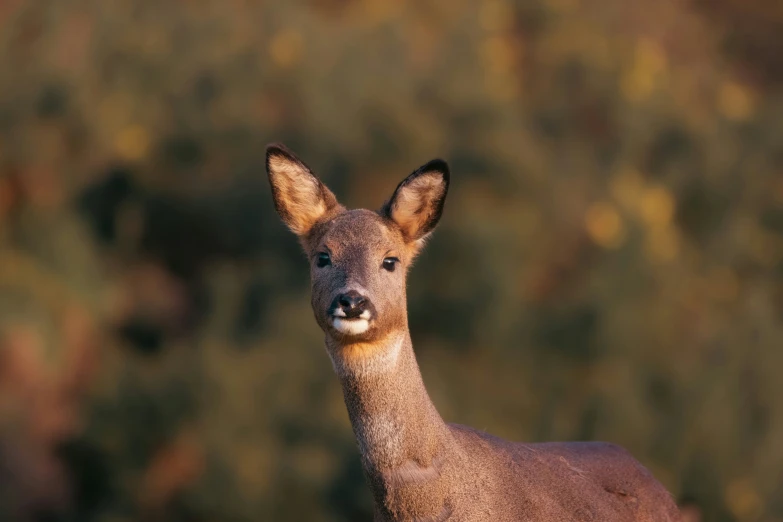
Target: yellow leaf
column 657, row 207
column 286, row 48
column 743, row 500
column 735, row 102
column 650, row 56
column 650, row 62
column 499, row 54
column 132, row 143
column 604, row 225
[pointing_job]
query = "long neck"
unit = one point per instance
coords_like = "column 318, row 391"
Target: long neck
column 403, row 441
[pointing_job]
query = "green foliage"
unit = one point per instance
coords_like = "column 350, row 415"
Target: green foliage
column 609, row 265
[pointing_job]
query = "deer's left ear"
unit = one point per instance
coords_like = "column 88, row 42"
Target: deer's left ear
column 300, row 197
column 417, row 203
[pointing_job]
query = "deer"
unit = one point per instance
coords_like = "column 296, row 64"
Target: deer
column 418, row 467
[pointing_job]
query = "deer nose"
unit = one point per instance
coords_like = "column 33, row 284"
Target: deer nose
column 352, row 303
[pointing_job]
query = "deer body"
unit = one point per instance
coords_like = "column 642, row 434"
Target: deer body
column 418, row 467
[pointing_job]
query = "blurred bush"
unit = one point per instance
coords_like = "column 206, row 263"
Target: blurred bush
column 610, row 265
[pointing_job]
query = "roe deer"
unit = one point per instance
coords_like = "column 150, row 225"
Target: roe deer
column 418, row 467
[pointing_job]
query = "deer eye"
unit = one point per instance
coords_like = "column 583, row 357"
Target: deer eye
column 390, row 263
column 323, row 260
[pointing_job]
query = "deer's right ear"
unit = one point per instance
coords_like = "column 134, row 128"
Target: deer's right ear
column 417, row 203
column 300, row 198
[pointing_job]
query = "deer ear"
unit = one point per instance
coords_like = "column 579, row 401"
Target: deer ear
column 300, row 198
column 417, row 203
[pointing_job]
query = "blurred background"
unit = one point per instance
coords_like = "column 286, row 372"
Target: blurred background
column 617, row 198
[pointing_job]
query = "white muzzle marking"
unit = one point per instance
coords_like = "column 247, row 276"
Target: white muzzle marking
column 347, row 326
column 351, row 326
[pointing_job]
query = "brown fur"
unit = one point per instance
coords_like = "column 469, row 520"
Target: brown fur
column 418, row 467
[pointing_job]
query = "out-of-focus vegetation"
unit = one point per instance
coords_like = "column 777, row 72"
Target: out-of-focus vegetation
column 610, row 263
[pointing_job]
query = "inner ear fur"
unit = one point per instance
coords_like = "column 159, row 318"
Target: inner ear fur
column 417, row 203
column 301, row 199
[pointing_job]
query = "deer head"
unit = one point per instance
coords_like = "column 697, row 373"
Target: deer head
column 358, row 258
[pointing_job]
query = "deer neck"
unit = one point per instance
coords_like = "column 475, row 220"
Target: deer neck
column 402, row 439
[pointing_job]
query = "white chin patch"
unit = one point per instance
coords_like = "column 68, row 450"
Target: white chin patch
column 351, row 326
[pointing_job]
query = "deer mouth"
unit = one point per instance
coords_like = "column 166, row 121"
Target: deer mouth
column 351, row 325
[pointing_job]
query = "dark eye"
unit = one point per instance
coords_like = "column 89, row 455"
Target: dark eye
column 390, row 263
column 323, row 260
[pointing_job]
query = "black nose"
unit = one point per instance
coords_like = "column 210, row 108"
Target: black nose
column 352, row 303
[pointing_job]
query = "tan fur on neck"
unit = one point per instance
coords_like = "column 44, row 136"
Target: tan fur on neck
column 364, row 359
